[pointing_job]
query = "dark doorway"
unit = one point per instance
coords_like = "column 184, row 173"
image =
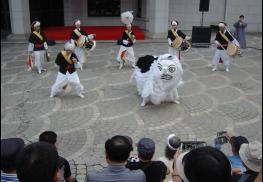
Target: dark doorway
column 104, row 8
column 48, row 12
column 5, row 19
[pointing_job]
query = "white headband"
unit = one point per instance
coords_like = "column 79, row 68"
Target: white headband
column 221, row 25
column 77, row 22
column 37, row 23
column 69, row 46
column 174, row 23
column 168, row 144
column 180, row 166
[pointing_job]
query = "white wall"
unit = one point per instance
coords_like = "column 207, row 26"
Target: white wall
column 188, row 15
column 252, row 10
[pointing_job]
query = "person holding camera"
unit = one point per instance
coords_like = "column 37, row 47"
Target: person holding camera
column 251, row 156
column 235, row 142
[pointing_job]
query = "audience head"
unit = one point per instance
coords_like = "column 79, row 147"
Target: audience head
column 204, row 164
column 146, row 149
column 173, row 142
column 236, row 143
column 251, row 155
column 118, row 149
column 10, row 148
column 48, row 136
column 37, row 162
column 241, row 17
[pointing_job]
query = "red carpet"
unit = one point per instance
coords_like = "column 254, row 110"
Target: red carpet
column 102, row 32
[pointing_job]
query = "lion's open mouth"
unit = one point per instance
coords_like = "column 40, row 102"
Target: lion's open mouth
column 166, row 77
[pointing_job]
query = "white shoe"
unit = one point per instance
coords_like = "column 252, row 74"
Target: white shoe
column 133, row 65
column 177, row 101
column 121, row 65
column 43, row 69
column 143, row 103
column 214, row 69
column 51, row 96
column 81, row 96
column 227, row 69
column 39, row 71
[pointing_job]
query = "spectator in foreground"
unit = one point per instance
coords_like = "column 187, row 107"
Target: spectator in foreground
column 155, row 171
column 37, row 162
column 251, row 155
column 10, row 148
column 63, row 164
column 205, row 164
column 117, row 151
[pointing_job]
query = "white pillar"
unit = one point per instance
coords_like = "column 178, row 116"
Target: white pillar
column 157, row 13
column 19, row 17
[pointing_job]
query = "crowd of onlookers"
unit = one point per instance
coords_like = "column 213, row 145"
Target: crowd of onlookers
column 40, row 162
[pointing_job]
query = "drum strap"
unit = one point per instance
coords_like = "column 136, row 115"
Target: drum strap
column 38, row 35
column 174, row 32
column 224, row 36
column 67, row 58
column 76, row 31
column 130, row 35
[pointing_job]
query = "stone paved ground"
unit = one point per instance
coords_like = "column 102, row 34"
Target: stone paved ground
column 211, row 101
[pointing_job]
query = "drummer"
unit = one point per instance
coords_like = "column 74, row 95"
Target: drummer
column 75, row 36
column 172, row 34
column 222, row 38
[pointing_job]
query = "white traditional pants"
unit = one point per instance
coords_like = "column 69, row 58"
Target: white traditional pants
column 80, row 53
column 126, row 54
column 39, row 58
column 173, row 51
column 220, row 54
column 62, row 80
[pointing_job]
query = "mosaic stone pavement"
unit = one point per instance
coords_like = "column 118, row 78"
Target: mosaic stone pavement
column 210, row 101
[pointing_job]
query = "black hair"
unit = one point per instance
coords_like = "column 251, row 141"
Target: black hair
column 207, row 164
column 241, row 16
column 238, row 141
column 145, row 62
column 37, row 162
column 147, row 156
column 48, row 136
column 118, row 148
column 169, row 153
column 8, row 163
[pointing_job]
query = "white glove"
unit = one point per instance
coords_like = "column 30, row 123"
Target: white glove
column 91, row 36
column 217, row 43
column 125, row 42
column 187, row 38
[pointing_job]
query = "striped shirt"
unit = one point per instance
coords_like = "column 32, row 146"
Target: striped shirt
column 6, row 177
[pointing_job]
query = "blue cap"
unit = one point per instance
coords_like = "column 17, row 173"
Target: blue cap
column 146, row 146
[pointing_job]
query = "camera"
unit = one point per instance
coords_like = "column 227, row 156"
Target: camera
column 221, row 137
column 190, row 145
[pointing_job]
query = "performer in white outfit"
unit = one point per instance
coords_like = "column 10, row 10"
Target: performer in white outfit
column 126, row 53
column 158, row 78
column 223, row 37
column 67, row 74
column 37, row 46
column 173, row 33
column 81, row 38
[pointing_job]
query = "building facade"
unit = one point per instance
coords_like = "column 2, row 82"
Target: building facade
column 153, row 16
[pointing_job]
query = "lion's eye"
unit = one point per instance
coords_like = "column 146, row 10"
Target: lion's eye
column 172, row 69
column 159, row 67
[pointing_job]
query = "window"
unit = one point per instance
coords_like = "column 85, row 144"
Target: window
column 104, row 8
